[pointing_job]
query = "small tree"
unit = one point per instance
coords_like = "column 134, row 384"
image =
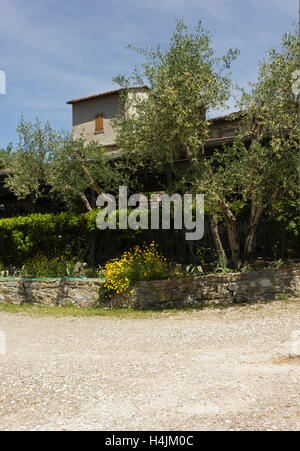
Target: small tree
column 169, row 123
column 185, row 81
column 68, row 167
column 268, row 167
column 261, row 168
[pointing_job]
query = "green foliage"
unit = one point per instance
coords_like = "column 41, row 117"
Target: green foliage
column 3, row 272
column 267, row 170
column 185, row 81
column 42, row 266
column 77, row 166
column 258, row 171
column 286, row 213
column 36, row 141
column 91, row 273
column 222, row 268
column 70, row 168
column 23, row 237
column 271, row 108
column 67, row 234
column 192, row 270
column 5, row 155
column 105, row 295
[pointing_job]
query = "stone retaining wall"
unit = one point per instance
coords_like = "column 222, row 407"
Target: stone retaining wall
column 215, row 288
column 80, row 292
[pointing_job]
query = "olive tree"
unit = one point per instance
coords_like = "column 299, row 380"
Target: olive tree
column 268, row 167
column 44, row 156
column 169, row 123
column 261, row 167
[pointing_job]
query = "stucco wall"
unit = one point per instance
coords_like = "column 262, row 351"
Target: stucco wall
column 84, row 114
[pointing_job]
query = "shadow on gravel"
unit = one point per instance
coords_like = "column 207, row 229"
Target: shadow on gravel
column 289, row 360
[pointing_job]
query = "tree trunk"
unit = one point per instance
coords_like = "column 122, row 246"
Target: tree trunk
column 216, row 237
column 232, row 232
column 92, row 182
column 85, row 202
column 256, row 212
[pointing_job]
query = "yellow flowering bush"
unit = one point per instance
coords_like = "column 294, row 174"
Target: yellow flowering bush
column 141, row 263
column 42, row 266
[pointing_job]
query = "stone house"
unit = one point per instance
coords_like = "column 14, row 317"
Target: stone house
column 92, row 116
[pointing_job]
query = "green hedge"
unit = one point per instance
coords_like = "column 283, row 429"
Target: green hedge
column 66, row 234
column 77, row 237
column 24, row 236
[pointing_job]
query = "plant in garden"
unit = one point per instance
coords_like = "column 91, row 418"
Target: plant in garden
column 42, row 266
column 222, row 267
column 260, row 170
column 24, row 236
column 141, row 263
column 192, row 270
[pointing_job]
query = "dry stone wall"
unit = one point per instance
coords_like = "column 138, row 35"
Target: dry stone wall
column 80, row 292
column 215, row 288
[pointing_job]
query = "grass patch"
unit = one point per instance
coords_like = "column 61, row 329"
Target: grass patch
column 128, row 313
column 71, row 310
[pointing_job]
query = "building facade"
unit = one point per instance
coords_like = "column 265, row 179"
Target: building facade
column 92, row 116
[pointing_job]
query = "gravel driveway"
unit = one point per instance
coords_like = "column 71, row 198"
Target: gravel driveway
column 209, row 370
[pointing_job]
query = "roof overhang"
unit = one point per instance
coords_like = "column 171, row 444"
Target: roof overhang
column 103, row 94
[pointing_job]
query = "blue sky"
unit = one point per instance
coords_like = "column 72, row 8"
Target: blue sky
column 54, row 51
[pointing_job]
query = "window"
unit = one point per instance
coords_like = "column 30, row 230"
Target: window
column 99, row 123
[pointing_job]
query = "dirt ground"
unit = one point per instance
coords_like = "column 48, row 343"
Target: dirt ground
column 233, row 369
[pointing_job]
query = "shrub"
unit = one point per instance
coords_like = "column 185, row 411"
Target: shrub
column 141, row 263
column 41, row 266
column 21, row 238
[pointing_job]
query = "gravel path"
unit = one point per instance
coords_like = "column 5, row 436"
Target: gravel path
column 210, row 370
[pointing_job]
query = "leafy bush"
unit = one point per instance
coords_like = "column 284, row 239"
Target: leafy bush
column 41, row 266
column 141, row 263
column 23, row 237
